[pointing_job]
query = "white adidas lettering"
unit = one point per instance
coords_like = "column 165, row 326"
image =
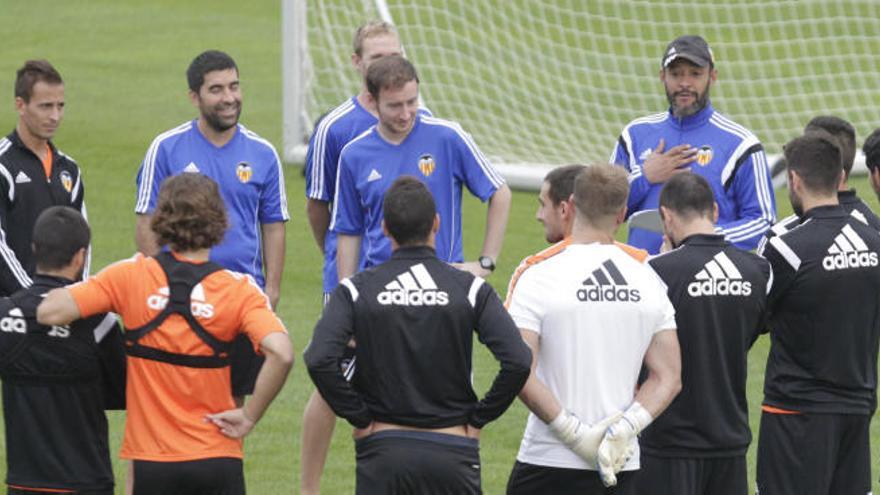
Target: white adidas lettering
column 198, row 306
column 849, row 251
column 719, row 277
column 414, row 287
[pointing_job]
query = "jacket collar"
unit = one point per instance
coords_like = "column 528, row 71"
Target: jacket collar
column 693, row 121
column 414, row 252
column 828, row 211
column 704, row 240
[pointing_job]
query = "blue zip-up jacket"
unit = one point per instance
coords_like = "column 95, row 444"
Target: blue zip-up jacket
column 730, row 157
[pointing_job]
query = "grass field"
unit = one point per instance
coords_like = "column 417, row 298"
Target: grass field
column 123, row 62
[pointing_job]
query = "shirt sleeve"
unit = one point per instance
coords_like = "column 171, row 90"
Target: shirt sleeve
column 322, row 159
column 480, row 177
column 257, row 318
column 624, row 156
column 784, row 265
column 497, row 331
column 273, row 196
column 322, row 357
column 524, row 305
column 104, row 292
column 153, row 171
column 348, row 215
column 13, row 276
column 755, row 202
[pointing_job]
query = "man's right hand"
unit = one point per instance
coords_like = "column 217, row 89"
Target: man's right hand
column 659, row 167
column 583, row 439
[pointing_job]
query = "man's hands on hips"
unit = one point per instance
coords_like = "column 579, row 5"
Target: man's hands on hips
column 659, row 167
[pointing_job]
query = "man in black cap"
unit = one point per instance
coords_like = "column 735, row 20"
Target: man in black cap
column 692, row 137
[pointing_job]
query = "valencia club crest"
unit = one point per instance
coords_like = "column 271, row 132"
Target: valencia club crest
column 244, row 172
column 427, row 164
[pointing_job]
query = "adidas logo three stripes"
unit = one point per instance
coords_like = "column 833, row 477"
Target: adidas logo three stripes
column 719, row 277
column 414, row 287
column 606, row 284
column 848, row 251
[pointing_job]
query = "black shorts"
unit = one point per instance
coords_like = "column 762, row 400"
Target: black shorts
column 397, row 462
column 531, row 479
column 806, row 454
column 690, row 476
column 245, row 365
column 218, row 476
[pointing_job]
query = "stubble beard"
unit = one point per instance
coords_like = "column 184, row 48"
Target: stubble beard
column 699, row 103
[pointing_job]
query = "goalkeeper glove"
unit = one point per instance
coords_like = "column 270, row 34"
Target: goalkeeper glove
column 581, row 438
column 617, row 446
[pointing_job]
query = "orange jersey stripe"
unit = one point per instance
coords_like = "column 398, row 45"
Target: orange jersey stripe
column 777, row 410
column 42, row 490
column 639, row 255
column 530, row 261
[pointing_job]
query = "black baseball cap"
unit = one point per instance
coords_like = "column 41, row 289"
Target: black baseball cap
column 690, row 47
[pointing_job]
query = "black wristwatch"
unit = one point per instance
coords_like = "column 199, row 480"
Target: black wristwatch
column 486, row 263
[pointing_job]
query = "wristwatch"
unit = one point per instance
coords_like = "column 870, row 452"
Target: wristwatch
column 486, row 263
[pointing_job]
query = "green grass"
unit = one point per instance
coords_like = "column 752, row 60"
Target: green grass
column 123, row 62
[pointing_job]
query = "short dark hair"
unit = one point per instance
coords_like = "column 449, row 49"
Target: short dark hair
column 600, row 191
column 688, row 195
column 843, row 131
column 205, row 62
column 59, row 233
column 871, row 149
column 369, row 30
column 408, row 210
column 391, row 72
column 561, row 182
column 32, row 72
column 190, row 213
column 816, row 159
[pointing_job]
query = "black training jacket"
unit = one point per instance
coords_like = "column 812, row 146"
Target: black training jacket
column 55, row 393
column 24, row 194
column 824, row 315
column 720, row 297
column 413, row 319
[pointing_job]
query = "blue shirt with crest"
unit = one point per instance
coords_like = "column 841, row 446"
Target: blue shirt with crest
column 437, row 152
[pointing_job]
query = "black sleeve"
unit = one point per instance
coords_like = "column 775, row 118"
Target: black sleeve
column 111, row 352
column 332, row 333
column 497, row 331
column 782, row 275
column 12, row 274
column 762, row 328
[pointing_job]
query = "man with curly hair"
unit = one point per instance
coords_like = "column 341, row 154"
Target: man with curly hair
column 181, row 312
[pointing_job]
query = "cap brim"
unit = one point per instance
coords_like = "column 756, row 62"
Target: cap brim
column 699, row 61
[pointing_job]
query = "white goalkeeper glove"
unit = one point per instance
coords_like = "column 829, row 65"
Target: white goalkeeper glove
column 583, row 439
column 617, row 446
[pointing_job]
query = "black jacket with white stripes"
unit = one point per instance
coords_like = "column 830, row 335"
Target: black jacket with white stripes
column 824, row 315
column 57, row 382
column 413, row 319
column 24, row 194
column 849, row 201
column 720, row 297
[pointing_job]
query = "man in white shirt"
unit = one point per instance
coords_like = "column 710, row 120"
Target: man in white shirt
column 607, row 315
